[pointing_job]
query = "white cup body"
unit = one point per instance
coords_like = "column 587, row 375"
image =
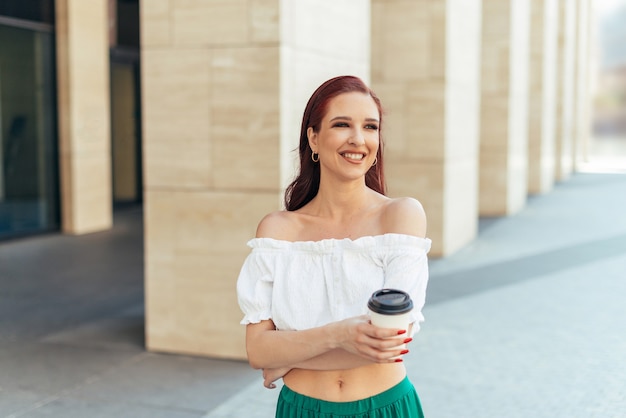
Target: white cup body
column 400, row 321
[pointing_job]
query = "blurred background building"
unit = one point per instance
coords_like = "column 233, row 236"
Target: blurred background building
column 610, row 104
column 191, row 110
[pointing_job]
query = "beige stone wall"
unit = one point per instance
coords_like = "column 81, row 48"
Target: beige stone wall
column 224, row 87
column 84, row 115
column 224, row 84
column 504, row 107
column 582, row 110
column 425, row 70
column 319, row 40
column 566, row 73
column 542, row 95
column 210, row 74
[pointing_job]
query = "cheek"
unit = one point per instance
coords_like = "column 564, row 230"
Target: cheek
column 373, row 141
column 335, row 139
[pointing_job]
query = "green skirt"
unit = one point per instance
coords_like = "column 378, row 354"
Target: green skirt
column 401, row 401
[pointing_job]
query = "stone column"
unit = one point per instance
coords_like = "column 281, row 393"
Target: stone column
column 224, row 88
column 84, row 115
column 582, row 110
column 566, row 72
column 425, row 68
column 504, row 107
column 542, row 95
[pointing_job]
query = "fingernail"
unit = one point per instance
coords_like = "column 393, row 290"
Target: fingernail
column 404, row 351
column 402, row 331
column 408, row 340
column 398, row 360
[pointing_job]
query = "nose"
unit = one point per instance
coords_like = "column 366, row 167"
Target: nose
column 357, row 138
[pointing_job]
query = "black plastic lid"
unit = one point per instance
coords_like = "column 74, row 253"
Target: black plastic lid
column 390, row 302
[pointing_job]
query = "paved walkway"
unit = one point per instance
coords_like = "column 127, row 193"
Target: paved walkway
column 528, row 320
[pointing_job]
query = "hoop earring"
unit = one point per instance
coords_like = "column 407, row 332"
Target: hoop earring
column 313, row 154
column 375, row 161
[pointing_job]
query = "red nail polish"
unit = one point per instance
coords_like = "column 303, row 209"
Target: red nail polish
column 402, row 331
column 398, row 360
column 408, row 340
column 404, row 351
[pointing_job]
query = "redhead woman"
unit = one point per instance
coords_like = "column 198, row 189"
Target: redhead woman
column 304, row 286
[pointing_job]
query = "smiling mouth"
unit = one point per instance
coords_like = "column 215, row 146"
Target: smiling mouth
column 353, row 156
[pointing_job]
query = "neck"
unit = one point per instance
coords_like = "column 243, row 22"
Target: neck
column 340, row 200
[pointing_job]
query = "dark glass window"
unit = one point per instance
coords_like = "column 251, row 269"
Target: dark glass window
column 41, row 11
column 28, row 154
column 127, row 18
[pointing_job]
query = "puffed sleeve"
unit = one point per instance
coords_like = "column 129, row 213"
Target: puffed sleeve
column 254, row 288
column 407, row 270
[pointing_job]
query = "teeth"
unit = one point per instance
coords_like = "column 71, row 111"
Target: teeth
column 353, row 156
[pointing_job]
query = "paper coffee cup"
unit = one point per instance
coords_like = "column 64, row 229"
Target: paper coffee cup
column 390, row 308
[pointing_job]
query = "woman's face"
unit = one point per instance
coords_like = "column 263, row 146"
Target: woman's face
column 348, row 138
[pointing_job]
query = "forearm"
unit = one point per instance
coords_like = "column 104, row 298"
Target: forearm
column 338, row 359
column 335, row 346
column 275, row 349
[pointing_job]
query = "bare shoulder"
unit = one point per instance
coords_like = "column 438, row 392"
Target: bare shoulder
column 276, row 225
column 405, row 215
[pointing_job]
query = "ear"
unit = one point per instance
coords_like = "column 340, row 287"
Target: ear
column 312, row 136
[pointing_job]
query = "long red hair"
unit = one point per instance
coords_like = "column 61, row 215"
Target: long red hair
column 304, row 188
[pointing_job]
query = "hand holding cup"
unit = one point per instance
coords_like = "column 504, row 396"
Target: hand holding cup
column 390, row 308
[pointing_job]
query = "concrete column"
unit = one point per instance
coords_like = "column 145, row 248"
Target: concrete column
column 84, row 115
column 566, row 72
column 582, row 110
column 542, row 95
column 504, row 107
column 425, row 68
column 224, row 88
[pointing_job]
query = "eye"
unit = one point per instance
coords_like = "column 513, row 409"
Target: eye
column 340, row 125
column 372, row 127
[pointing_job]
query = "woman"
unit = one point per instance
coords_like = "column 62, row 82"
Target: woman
column 305, row 285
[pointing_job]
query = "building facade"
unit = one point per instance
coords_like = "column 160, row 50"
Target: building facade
column 193, row 109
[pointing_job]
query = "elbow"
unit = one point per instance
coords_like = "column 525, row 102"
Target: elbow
column 253, row 359
column 254, row 362
column 258, row 348
column 258, row 359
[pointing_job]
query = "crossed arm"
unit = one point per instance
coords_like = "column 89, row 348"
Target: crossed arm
column 341, row 345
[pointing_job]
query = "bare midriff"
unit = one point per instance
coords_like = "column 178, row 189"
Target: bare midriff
column 345, row 385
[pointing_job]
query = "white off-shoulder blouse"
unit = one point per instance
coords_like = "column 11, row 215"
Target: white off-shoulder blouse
column 306, row 284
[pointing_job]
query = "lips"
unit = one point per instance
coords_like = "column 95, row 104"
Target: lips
column 354, row 156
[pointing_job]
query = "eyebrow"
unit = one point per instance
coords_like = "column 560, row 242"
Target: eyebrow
column 349, row 118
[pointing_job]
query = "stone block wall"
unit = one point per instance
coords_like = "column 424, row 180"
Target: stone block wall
column 566, row 95
column 504, row 107
column 542, row 95
column 224, row 87
column 425, row 61
column 84, row 115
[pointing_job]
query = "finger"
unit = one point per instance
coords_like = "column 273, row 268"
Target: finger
column 378, row 332
column 392, row 343
column 397, row 355
column 384, row 343
column 386, row 353
column 379, row 355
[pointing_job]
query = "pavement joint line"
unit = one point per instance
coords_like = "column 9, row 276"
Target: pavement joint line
column 512, row 271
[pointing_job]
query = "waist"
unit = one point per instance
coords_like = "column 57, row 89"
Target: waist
column 345, row 385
